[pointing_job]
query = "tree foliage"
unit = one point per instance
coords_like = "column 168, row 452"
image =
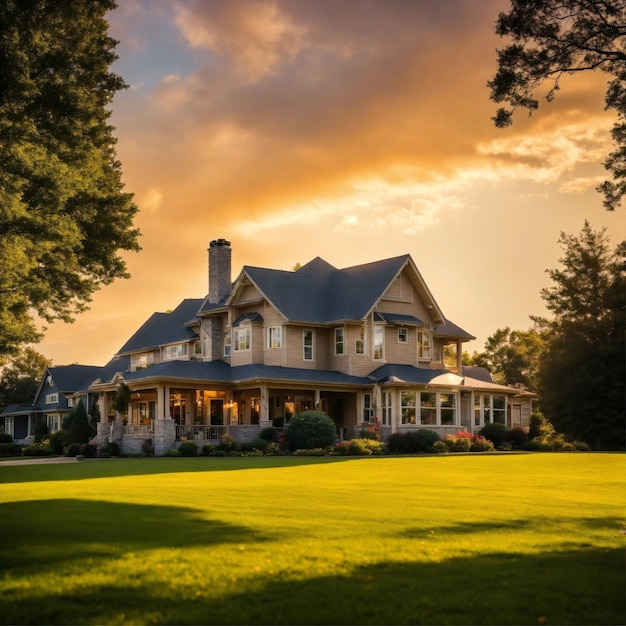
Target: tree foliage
column 512, row 356
column 21, row 376
column 551, row 38
column 79, row 430
column 582, row 373
column 64, row 217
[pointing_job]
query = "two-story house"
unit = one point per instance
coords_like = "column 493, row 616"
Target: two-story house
column 365, row 343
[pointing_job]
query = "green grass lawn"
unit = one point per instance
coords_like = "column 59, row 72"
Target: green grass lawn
column 470, row 539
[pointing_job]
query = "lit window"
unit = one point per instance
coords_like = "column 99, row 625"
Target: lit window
column 242, row 339
column 274, row 337
column 379, row 337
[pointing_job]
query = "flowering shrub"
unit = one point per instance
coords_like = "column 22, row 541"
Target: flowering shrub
column 439, row 447
column 464, row 441
column 372, row 430
column 360, row 447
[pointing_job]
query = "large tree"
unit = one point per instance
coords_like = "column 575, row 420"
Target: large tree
column 64, row 215
column 582, row 372
column 20, row 377
column 551, row 38
column 512, row 356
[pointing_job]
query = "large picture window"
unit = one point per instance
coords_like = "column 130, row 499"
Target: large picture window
column 489, row 408
column 428, row 408
column 407, row 402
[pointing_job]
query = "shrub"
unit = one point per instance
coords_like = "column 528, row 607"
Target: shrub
column 495, row 432
column 480, row 444
column 40, row 430
column 188, row 448
column 6, row 438
column 278, row 422
column 341, row 448
column 227, row 443
column 89, row 450
column 173, row 452
column 456, row 443
column 311, row 452
column 399, row 443
column 147, row 448
column 73, row 449
column 440, row 447
column 79, row 430
column 310, row 429
column 423, row 439
column 208, row 450
column 516, row 437
column 269, row 434
column 569, row 447
column 58, row 440
column 11, row 449
column 37, row 450
column 581, row 446
column 110, row 448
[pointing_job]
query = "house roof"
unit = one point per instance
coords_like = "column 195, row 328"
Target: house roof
column 20, row 409
column 479, row 373
column 165, row 328
column 320, row 293
column 451, row 330
column 220, row 372
column 396, row 373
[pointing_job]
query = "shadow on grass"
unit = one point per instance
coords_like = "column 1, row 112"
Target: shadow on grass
column 111, row 468
column 39, row 533
column 569, row 587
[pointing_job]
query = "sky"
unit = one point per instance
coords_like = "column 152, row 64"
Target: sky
column 353, row 130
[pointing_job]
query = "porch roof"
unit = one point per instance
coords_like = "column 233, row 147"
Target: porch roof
column 19, row 409
column 397, row 373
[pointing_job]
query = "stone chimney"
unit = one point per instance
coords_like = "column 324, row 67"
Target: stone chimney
column 220, row 282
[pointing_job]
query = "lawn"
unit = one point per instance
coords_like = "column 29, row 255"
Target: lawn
column 450, row 539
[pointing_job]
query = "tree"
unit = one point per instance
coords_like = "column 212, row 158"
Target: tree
column 64, row 216
column 556, row 37
column 512, row 356
column 582, row 371
column 79, row 430
column 21, row 376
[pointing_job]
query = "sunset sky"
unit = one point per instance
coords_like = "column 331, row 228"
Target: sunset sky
column 354, row 130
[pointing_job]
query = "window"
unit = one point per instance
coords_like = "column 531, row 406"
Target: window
column 499, row 409
column 424, row 345
column 274, row 337
column 338, row 340
column 379, row 337
column 403, row 335
column 175, row 352
column 447, row 403
column 407, row 401
column 8, row 426
column 428, row 408
column 368, row 409
column 488, row 408
column 52, row 398
column 242, row 339
column 227, row 343
column 359, row 344
column 197, row 348
column 53, row 422
column 144, row 359
column 308, row 353
column 387, row 408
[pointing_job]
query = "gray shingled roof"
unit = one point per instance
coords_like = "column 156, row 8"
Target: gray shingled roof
column 393, row 372
column 449, row 329
column 320, row 293
column 165, row 328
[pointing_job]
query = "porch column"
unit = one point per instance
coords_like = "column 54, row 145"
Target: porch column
column 103, row 406
column 317, row 399
column 264, row 418
column 459, row 357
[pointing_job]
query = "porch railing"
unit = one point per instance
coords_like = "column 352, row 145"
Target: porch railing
column 200, row 433
column 138, row 429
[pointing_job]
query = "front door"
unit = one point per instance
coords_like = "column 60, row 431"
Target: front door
column 217, row 412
